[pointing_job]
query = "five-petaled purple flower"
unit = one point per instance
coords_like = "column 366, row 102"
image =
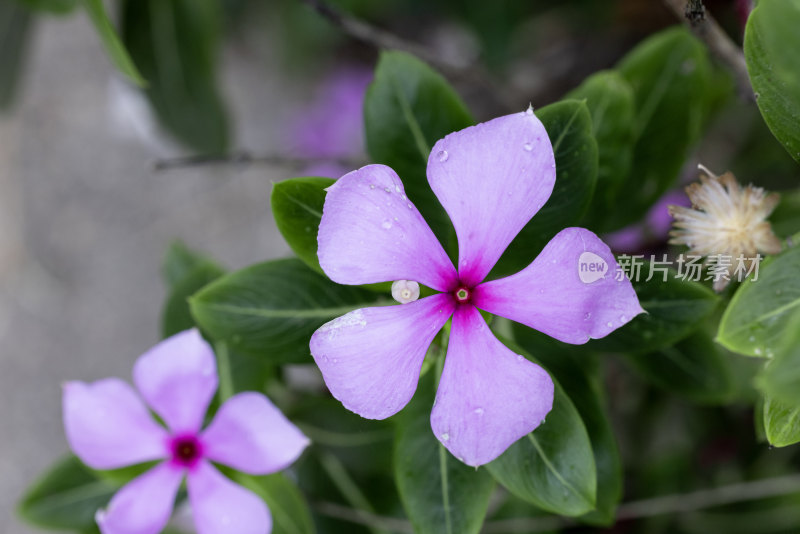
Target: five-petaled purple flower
column 108, row 426
column 491, row 179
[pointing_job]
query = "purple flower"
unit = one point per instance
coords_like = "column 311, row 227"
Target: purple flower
column 491, row 179
column 332, row 126
column 654, row 229
column 108, row 426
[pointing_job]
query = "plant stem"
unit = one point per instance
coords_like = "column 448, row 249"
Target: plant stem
column 226, row 390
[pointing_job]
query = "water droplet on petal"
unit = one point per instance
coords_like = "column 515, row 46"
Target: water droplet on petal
column 386, row 224
column 622, row 318
column 609, row 324
column 387, row 189
column 445, row 436
column 442, row 156
column 478, row 411
column 396, row 188
column 528, row 147
column 372, row 186
column 520, row 358
column 587, row 316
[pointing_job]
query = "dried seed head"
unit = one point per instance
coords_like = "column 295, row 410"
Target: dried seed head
column 725, row 219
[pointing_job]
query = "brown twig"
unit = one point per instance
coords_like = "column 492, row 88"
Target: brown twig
column 703, row 25
column 244, row 158
column 454, row 68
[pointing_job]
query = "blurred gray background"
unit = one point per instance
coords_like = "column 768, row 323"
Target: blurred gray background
column 84, row 223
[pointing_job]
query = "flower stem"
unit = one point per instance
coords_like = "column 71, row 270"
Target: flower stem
column 226, row 389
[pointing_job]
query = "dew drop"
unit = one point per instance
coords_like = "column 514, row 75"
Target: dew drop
column 529, row 111
column 587, row 316
column 609, row 324
column 396, row 188
column 335, row 360
column 478, row 411
column 752, row 338
column 386, row 224
column 520, row 358
column 409, row 205
column 528, row 147
column 622, row 318
column 445, row 437
column 372, row 186
column 757, row 351
column 387, row 189
column 442, row 156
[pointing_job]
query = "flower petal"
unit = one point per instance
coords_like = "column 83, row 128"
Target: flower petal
column 573, row 291
column 488, row 396
column 221, row 506
column 108, row 426
column 144, row 505
column 371, row 358
column 178, row 378
column 370, row 232
column 251, row 435
column 491, row 178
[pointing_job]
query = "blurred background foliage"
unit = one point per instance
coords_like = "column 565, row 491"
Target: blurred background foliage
column 669, row 402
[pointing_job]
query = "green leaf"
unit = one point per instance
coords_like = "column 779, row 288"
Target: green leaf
column 569, row 127
column 553, row 467
column 579, row 375
column 66, row 497
column 781, row 422
column 674, row 309
column 297, row 208
column 180, row 261
column 290, row 513
column 175, row 45
column 771, row 40
column 57, row 7
column 407, row 108
column 754, row 322
column 271, row 309
column 176, row 317
column 186, row 272
column 441, row 495
column 611, row 103
column 780, row 378
column 114, row 47
column 694, row 367
column 15, row 24
column 670, row 75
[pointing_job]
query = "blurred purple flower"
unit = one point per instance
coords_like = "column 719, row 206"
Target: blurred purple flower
column 108, row 427
column 654, row 229
column 333, row 125
column 491, row 179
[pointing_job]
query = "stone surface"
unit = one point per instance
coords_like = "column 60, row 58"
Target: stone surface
column 84, row 223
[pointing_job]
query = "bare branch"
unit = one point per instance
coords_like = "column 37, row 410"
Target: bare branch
column 668, row 504
column 244, row 158
column 703, row 25
column 455, row 68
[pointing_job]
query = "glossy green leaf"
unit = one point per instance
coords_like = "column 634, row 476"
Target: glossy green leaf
column 674, row 309
column 553, row 467
column 66, row 497
column 757, row 316
column 569, row 127
column 781, row 422
column 780, row 378
column 176, row 317
column 407, row 108
column 179, row 261
column 288, row 507
column 15, row 25
column 297, row 208
column 611, row 103
column 57, row 7
column 271, row 309
column 441, row 495
column 579, row 375
column 770, row 43
column 175, row 45
column 694, row 367
column 114, row 47
column 670, row 76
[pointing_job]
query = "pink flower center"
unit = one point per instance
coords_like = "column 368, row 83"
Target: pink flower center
column 186, row 450
column 462, row 294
